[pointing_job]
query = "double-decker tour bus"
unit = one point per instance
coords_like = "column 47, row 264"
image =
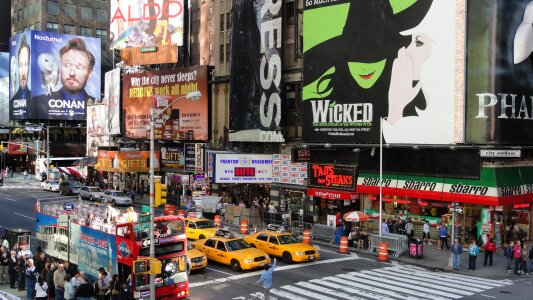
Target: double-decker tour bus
column 93, row 236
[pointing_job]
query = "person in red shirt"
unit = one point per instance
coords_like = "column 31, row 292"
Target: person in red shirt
column 490, row 248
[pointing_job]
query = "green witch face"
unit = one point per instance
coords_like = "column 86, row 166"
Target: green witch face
column 366, row 74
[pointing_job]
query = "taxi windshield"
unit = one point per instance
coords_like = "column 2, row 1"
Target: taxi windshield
column 190, row 246
column 205, row 224
column 237, row 245
column 287, row 239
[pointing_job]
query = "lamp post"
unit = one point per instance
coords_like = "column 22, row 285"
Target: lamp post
column 380, row 175
column 47, row 152
column 193, row 96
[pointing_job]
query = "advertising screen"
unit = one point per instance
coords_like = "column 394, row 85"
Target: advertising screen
column 242, row 168
column 186, row 119
column 366, row 60
column 144, row 23
column 59, row 81
column 4, row 87
column 499, row 77
column 255, row 86
column 97, row 130
column 112, row 100
column 173, row 157
column 125, row 161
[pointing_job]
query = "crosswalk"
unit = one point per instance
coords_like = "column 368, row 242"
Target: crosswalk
column 396, row 282
column 19, row 186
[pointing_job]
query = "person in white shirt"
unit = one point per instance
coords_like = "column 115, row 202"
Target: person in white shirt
column 24, row 252
column 425, row 235
column 384, row 227
column 41, row 288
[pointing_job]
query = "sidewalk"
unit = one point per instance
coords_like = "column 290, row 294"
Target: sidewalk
column 11, row 294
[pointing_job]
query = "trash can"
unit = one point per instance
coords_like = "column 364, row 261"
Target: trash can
column 338, row 234
column 416, row 248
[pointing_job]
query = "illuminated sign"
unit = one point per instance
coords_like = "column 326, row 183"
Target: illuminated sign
column 237, row 168
column 332, row 176
column 239, row 171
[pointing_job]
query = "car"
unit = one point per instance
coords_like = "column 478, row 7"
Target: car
column 233, row 251
column 198, row 229
column 50, row 185
column 276, row 242
column 116, row 198
column 92, row 193
column 196, row 259
column 69, row 187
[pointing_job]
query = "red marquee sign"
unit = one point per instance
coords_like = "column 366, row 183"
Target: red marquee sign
column 332, row 177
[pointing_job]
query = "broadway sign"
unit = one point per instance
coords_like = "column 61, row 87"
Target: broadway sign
column 332, row 177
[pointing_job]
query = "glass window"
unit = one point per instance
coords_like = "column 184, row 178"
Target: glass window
column 69, row 29
column 102, row 34
column 221, row 53
column 228, row 20
column 191, row 225
column 210, row 243
column 86, row 13
column 52, row 27
column 53, row 8
column 101, row 15
column 237, row 245
column 262, row 237
column 205, row 224
column 221, row 247
column 273, row 240
column 289, row 13
column 288, row 239
column 86, row 31
column 69, row 10
column 222, row 19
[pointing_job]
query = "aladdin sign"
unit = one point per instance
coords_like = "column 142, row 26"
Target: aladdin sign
column 332, row 176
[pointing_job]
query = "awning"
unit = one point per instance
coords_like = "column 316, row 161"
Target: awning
column 332, row 194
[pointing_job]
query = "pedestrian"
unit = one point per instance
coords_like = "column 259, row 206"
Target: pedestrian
column 132, row 194
column 40, row 262
column 30, row 277
column 114, row 287
column 490, row 248
column 508, row 253
column 85, row 291
column 13, row 269
column 425, row 235
column 69, row 289
column 384, row 227
column 59, row 281
column 21, row 265
column 517, row 257
column 443, row 234
column 102, row 287
column 266, row 278
column 4, row 265
column 125, row 293
column 5, row 243
column 76, row 280
column 457, row 250
column 524, row 258
column 409, row 229
column 41, row 289
column 50, row 282
column 473, row 250
column 25, row 174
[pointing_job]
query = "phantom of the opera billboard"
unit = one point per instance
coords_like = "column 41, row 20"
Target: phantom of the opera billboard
column 54, row 76
column 255, row 85
column 146, row 23
column 186, row 119
column 367, row 60
column 499, row 93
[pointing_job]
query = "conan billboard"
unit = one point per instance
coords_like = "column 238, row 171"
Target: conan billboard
column 186, row 119
column 366, row 60
column 499, row 93
column 54, row 76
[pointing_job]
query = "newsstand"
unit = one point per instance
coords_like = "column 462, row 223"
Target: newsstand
column 416, row 248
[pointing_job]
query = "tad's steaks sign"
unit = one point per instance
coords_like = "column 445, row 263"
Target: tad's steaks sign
column 332, row 176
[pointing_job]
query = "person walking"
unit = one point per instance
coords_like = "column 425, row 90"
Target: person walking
column 457, row 250
column 409, row 229
column 4, row 265
column 473, row 250
column 517, row 258
column 508, row 253
column 425, row 235
column 41, row 289
column 490, row 248
column 266, row 278
column 443, row 234
column 524, row 258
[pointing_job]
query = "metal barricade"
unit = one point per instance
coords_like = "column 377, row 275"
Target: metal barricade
column 298, row 228
column 323, row 232
column 397, row 243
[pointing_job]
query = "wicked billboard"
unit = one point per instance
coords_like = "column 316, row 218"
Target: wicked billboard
column 53, row 76
column 366, row 60
column 499, row 104
column 255, row 86
column 186, row 119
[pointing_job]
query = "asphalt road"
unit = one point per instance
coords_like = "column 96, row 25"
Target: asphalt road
column 334, row 276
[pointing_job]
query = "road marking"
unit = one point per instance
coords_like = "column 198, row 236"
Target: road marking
column 330, row 291
column 488, row 296
column 25, row 216
column 8, row 199
column 286, row 295
column 219, row 271
column 310, row 294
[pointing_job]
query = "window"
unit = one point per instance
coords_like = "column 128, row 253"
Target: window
column 69, row 10
column 273, row 240
column 221, row 53
column 102, row 34
column 69, row 29
column 222, row 18
column 86, row 13
column 52, row 27
column 191, row 225
column 262, row 237
column 210, row 243
column 289, row 13
column 37, row 26
column 228, row 53
column 101, row 15
column 221, row 247
column 53, row 8
column 228, row 20
column 86, row 31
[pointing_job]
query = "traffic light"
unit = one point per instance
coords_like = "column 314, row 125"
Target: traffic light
column 163, row 193
column 157, row 193
column 147, row 265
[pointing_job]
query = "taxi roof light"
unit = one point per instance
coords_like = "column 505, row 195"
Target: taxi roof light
column 277, row 228
column 223, row 233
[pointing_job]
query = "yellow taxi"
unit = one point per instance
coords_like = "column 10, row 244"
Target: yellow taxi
column 196, row 258
column 198, row 229
column 229, row 250
column 276, row 242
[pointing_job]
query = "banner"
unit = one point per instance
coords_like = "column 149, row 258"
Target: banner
column 4, row 87
column 173, row 157
column 286, row 172
column 366, row 60
column 144, row 23
column 54, row 76
column 255, row 85
column 186, row 119
column 112, row 100
column 499, row 75
column 126, row 161
column 97, row 129
column 242, row 168
column 333, row 177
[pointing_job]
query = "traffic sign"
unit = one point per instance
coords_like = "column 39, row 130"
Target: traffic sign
column 62, row 220
column 68, row 208
column 144, row 218
column 141, row 226
column 145, row 208
column 146, row 242
column 457, row 209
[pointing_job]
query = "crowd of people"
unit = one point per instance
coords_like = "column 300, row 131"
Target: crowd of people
column 46, row 279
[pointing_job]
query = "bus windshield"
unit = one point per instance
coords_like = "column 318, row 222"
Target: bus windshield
column 163, row 229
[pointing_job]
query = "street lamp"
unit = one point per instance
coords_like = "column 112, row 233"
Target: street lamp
column 380, row 175
column 193, row 96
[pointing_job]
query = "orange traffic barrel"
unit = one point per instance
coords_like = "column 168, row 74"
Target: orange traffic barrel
column 217, row 221
column 383, row 252
column 181, row 213
column 343, row 248
column 244, row 226
column 192, row 214
column 307, row 236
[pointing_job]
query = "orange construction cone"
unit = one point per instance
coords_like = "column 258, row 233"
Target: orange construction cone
column 217, row 221
column 307, row 237
column 383, row 252
column 343, row 245
column 244, row 226
column 255, row 229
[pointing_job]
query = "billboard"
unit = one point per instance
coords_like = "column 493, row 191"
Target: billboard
column 54, row 76
column 333, row 177
column 126, row 161
column 186, row 119
column 499, row 77
column 97, row 129
column 255, row 85
column 366, row 60
column 145, row 23
column 112, row 100
column 242, row 168
column 173, row 157
column 4, row 87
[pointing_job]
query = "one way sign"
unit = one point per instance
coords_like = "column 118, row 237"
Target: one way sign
column 146, row 243
column 457, row 210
